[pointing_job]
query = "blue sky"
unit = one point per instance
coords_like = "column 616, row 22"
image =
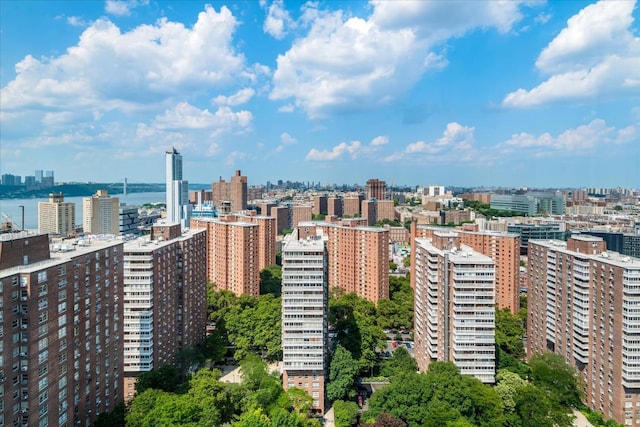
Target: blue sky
column 471, row 93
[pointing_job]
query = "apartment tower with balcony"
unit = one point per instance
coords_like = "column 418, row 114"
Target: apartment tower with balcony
column 305, row 309
column 584, row 304
column 454, row 306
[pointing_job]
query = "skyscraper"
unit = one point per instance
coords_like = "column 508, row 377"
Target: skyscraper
column 56, row 216
column 454, row 306
column 100, row 213
column 305, row 317
column 178, row 207
column 584, row 304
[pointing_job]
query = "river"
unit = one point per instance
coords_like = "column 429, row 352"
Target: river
column 12, row 208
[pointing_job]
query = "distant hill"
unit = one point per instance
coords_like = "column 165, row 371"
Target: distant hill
column 75, row 190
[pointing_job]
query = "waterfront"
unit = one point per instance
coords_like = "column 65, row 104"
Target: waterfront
column 12, row 208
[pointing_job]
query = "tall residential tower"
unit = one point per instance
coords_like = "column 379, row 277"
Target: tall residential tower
column 305, row 308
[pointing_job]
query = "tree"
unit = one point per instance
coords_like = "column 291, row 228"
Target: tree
column 550, row 372
column 345, row 413
column 393, row 266
column 115, row 418
column 388, row 420
column 266, row 388
column 535, row 409
column 166, row 378
column 253, row 418
column 342, row 375
column 271, row 280
column 399, row 363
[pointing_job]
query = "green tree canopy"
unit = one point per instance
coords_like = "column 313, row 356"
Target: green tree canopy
column 400, row 362
column 550, row 372
column 271, row 280
column 345, row 414
column 342, row 375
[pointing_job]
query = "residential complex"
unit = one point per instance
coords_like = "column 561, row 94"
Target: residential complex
column 233, row 192
column 238, row 247
column 584, row 304
column 358, row 257
column 454, row 306
column 305, row 317
column 100, row 214
column 60, row 330
column 376, row 189
column 57, row 217
column 177, row 193
column 128, row 220
column 502, row 248
column 165, row 297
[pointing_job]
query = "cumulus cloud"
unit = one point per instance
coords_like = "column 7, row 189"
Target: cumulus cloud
column 110, row 69
column 77, row 21
column 238, row 98
column 456, row 143
column 336, row 152
column 277, row 20
column 580, row 140
column 123, row 7
column 285, row 140
column 354, row 149
column 347, row 63
column 595, row 55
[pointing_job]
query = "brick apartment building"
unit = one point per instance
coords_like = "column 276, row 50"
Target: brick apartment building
column 502, row 248
column 61, row 352
column 584, row 304
column 165, row 298
column 358, row 257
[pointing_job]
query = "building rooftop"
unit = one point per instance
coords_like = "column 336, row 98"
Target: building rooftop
column 609, row 257
column 145, row 244
column 460, row 255
column 65, row 251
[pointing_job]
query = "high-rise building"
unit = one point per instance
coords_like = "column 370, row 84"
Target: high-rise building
column 503, row 249
column 61, row 352
column 351, row 207
column 454, row 306
column 548, row 231
column 584, row 304
column 305, row 308
column 100, row 214
column 376, row 189
column 238, row 247
column 334, row 206
column 178, row 207
column 320, row 204
column 39, row 175
column 234, row 192
column 165, row 294
column 358, row 257
column 56, row 217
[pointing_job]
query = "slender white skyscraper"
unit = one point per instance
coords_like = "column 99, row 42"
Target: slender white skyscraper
column 178, row 207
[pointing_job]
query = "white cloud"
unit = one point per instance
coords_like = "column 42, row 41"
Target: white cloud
column 336, row 152
column 186, row 116
column 348, row 63
column 595, row 55
column 288, row 108
column 354, row 149
column 278, row 20
column 123, row 7
column 238, row 98
column 287, row 139
column 77, row 21
column 580, row 140
column 456, row 143
column 149, row 65
column 542, row 18
column 380, row 140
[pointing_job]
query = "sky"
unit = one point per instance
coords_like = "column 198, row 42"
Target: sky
column 464, row 93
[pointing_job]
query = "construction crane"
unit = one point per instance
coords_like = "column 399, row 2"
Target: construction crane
column 7, row 224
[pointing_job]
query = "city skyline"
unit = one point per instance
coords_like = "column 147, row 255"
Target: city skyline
column 471, row 93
